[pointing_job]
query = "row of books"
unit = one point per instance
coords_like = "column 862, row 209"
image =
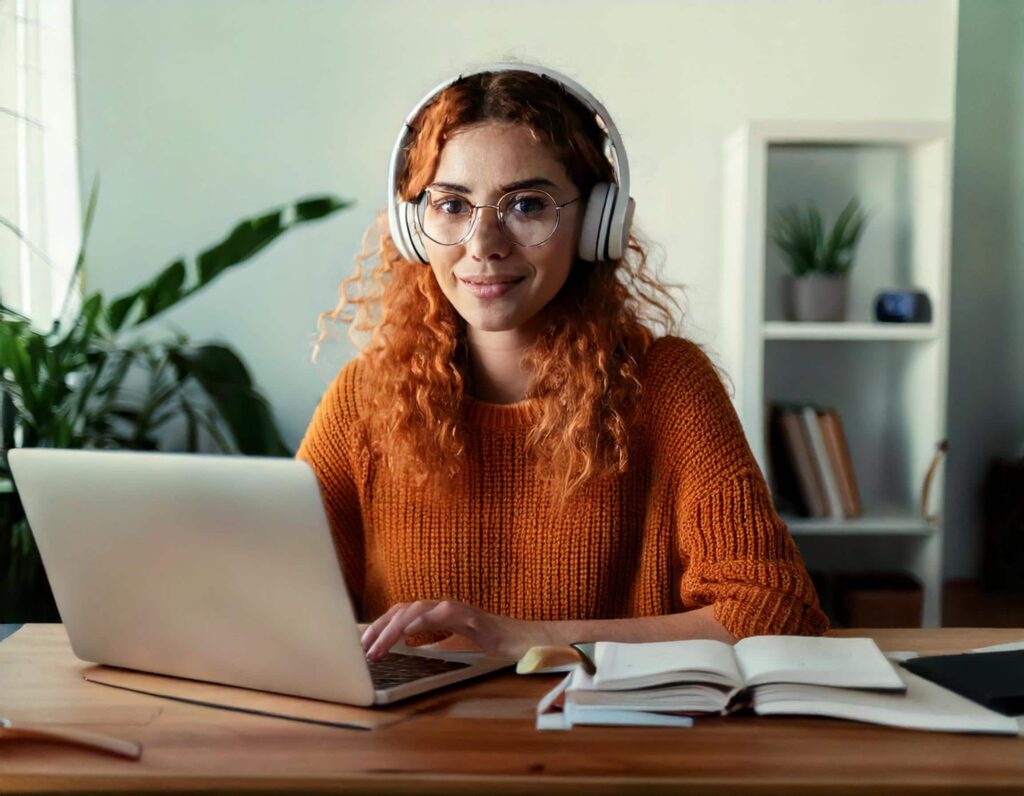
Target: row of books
column 810, row 468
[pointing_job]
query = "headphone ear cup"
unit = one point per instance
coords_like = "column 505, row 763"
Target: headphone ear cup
column 407, row 236
column 400, row 234
column 618, row 240
column 596, row 217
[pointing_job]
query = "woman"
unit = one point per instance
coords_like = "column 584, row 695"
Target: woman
column 515, row 457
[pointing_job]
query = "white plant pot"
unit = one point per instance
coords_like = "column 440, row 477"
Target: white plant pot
column 816, row 298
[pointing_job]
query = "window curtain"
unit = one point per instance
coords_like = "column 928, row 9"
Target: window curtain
column 40, row 205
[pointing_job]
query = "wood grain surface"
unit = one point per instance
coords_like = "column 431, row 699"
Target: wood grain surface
column 477, row 737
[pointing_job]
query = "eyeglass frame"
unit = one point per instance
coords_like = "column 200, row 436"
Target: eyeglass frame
column 501, row 222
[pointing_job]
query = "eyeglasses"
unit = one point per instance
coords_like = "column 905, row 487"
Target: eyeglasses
column 527, row 218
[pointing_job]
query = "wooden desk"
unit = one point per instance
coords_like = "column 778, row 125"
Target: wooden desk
column 480, row 738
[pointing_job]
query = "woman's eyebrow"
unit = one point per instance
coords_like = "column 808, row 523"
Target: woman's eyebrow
column 533, row 182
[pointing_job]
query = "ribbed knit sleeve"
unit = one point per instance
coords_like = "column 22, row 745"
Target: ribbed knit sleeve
column 737, row 554
column 330, row 447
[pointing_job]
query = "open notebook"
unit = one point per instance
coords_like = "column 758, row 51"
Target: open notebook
column 664, row 682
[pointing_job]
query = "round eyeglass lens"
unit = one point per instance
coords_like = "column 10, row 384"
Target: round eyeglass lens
column 528, row 217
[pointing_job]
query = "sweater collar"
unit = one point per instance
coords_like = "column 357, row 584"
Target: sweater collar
column 488, row 415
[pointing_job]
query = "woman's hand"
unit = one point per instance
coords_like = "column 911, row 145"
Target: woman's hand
column 496, row 635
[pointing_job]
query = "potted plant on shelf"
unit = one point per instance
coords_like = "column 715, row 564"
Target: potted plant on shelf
column 820, row 262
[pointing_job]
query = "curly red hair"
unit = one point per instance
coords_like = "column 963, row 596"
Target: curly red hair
column 586, row 360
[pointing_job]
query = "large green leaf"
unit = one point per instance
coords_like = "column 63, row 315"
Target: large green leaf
column 177, row 281
column 165, row 290
column 225, row 379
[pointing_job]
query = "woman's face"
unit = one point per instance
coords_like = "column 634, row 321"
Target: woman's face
column 481, row 163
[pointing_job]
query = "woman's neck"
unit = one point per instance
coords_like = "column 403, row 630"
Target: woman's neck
column 496, row 371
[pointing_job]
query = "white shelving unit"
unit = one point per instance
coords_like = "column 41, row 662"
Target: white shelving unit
column 888, row 381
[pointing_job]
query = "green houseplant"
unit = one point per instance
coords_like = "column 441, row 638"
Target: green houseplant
column 819, row 261
column 68, row 386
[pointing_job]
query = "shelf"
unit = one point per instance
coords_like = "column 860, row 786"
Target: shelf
column 887, row 380
column 894, row 524
column 792, row 330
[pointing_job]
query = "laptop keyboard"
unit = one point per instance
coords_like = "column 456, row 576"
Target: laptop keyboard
column 397, row 669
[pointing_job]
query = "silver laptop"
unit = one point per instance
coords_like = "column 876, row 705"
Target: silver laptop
column 215, row 568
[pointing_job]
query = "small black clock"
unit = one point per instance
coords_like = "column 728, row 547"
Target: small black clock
column 903, row 306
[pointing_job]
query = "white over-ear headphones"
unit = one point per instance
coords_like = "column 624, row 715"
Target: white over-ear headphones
column 607, row 217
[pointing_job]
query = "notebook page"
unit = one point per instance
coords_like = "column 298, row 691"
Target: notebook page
column 620, row 663
column 843, row 662
column 924, row 706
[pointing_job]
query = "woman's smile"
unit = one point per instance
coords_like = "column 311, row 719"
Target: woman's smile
column 490, row 286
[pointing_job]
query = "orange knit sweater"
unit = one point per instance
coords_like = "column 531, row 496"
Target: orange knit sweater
column 691, row 524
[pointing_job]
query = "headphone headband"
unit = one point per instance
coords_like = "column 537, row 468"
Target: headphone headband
column 609, row 211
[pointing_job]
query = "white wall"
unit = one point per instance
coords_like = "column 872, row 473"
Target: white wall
column 196, row 113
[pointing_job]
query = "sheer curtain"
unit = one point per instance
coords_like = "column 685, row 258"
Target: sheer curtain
column 40, row 208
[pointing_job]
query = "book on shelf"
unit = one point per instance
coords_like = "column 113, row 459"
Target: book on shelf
column 667, row 683
column 826, row 475
column 787, row 492
column 811, row 469
column 797, row 452
column 840, row 461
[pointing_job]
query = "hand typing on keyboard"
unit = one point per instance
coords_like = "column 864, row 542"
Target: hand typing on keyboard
column 496, row 635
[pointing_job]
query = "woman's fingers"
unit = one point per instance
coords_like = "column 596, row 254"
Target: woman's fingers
column 374, row 630
column 447, row 615
column 395, row 627
column 496, row 635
